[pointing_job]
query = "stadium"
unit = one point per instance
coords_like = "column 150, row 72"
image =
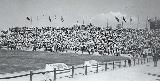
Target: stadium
column 46, row 41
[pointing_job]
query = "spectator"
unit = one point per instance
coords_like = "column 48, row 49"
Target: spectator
column 94, row 39
column 155, row 59
column 129, row 62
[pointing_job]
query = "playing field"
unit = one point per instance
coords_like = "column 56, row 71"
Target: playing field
column 17, row 61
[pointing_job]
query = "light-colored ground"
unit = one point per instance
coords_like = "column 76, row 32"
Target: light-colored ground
column 144, row 72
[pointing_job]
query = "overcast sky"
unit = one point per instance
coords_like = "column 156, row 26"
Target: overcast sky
column 14, row 12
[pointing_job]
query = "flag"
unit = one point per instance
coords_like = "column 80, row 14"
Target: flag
column 28, row 18
column 50, row 19
column 117, row 19
column 90, row 24
column 62, row 19
column 124, row 19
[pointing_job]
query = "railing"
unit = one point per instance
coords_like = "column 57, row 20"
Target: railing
column 112, row 64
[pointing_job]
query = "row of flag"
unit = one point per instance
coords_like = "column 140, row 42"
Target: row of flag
column 130, row 20
column 123, row 18
column 49, row 18
column 62, row 20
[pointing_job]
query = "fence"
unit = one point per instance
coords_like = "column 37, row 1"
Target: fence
column 106, row 65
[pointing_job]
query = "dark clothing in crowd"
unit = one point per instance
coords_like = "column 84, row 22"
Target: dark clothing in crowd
column 129, row 62
column 155, row 60
column 85, row 38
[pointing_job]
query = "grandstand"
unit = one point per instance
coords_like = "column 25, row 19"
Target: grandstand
column 80, row 38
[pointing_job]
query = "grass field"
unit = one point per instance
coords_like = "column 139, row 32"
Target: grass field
column 17, row 61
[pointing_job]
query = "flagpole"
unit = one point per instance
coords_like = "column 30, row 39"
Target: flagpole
column 83, row 22
column 37, row 21
column 77, row 22
column 138, row 21
column 107, row 22
column 31, row 20
column 146, row 22
column 37, row 18
column 156, row 22
column 130, row 21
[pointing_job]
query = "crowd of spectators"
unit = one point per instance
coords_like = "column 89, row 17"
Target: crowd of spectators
column 83, row 38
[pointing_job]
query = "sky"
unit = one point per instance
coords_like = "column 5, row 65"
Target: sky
column 14, row 12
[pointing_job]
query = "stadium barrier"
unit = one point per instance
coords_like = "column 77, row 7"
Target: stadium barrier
column 73, row 68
